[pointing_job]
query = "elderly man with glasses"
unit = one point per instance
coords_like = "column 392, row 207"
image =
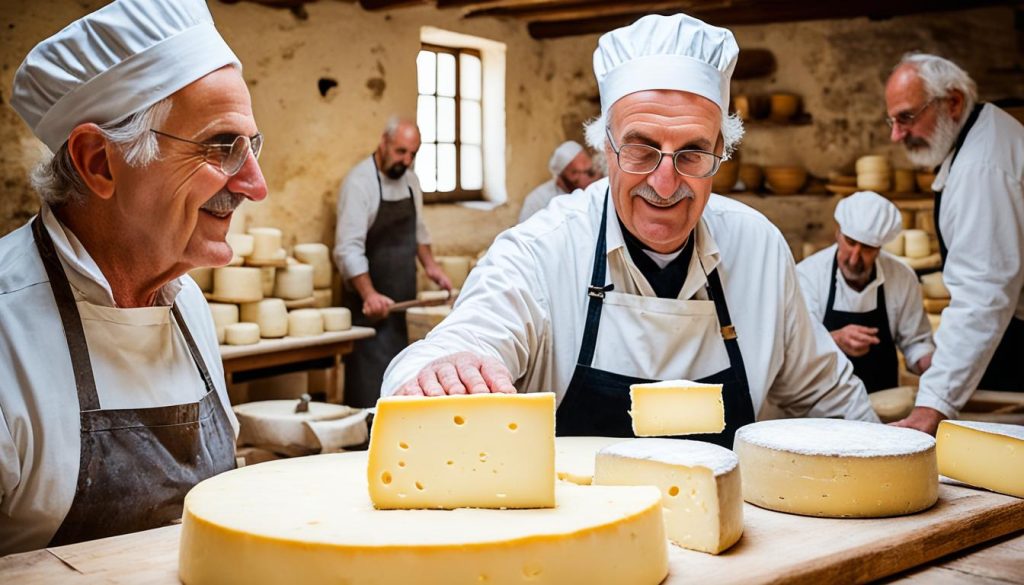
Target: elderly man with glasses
column 977, row 151
column 645, row 275
column 111, row 387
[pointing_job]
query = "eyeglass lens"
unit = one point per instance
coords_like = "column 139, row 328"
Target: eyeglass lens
column 640, row 158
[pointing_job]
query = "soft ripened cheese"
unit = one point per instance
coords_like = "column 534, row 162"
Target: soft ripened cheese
column 701, row 491
column 318, row 256
column 575, row 456
column 237, row 283
column 837, row 468
column 305, row 323
column 266, row 243
column 242, row 334
column 203, row 278
column 676, row 407
column 463, row 451
column 270, row 314
column 321, row 298
column 336, row 318
column 294, row 282
column 308, row 520
column 241, row 244
column 982, row 454
column 223, row 314
column 915, row 243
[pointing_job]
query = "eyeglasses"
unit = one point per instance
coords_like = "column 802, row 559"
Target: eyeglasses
column 906, row 119
column 642, row 159
column 230, row 157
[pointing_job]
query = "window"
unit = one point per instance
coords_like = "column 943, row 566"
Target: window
column 449, row 113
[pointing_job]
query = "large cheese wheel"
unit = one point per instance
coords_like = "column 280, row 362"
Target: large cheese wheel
column 239, row 283
column 893, row 404
column 874, row 181
column 241, row 244
column 983, row 454
column 318, row 256
column 872, row 163
column 895, row 246
column 309, row 520
column 575, row 457
column 270, row 314
column 223, row 315
column 336, row 318
column 242, row 334
column 268, row 275
column 203, row 278
column 837, row 468
column 305, row 323
column 294, row 282
column 916, row 243
column 266, row 243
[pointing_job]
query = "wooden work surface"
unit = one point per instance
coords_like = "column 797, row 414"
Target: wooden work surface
column 775, row 548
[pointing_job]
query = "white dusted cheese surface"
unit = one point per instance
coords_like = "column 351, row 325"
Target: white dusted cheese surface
column 318, row 256
column 237, row 283
column 266, row 243
column 336, row 318
column 223, row 315
column 305, row 323
column 270, row 314
column 575, row 457
column 309, row 520
column 837, row 468
column 676, row 407
column 701, row 491
column 294, row 282
column 242, row 334
column 983, row 454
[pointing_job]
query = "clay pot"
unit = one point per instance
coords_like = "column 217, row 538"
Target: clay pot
column 752, row 177
column 784, row 106
column 724, row 180
column 785, row 180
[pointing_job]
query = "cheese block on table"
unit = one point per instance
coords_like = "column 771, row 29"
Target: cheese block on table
column 701, row 491
column 916, row 244
column 837, row 468
column 270, row 314
column 223, row 314
column 676, row 407
column 305, row 323
column 238, row 283
column 294, row 282
column 893, row 404
column 309, row 520
column 463, row 451
column 266, row 243
column 242, row 334
column 336, row 318
column 575, row 456
column 982, row 454
column 318, row 256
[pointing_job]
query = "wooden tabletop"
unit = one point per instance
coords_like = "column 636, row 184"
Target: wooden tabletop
column 290, row 343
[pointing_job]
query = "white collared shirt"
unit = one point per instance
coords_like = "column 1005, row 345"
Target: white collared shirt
column 539, row 198
column 525, row 303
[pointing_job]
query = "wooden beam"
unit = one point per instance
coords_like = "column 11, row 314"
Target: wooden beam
column 374, row 5
column 462, row 3
column 552, row 10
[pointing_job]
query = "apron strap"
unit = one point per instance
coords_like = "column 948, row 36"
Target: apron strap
column 193, row 349
column 943, row 251
column 596, row 292
column 732, row 346
column 74, row 333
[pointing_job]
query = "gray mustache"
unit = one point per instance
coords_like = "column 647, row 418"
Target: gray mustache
column 223, row 202
column 648, row 194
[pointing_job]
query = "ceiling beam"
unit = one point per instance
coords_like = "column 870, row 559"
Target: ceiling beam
column 582, row 9
column 374, row 5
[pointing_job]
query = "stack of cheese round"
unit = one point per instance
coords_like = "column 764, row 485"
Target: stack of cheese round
column 319, row 257
column 305, row 323
column 266, row 244
column 223, row 315
column 874, row 173
column 916, row 244
column 896, row 246
column 241, row 244
column 294, row 282
column 837, row 468
column 336, row 318
column 310, row 520
column 237, row 284
column 242, row 334
column 270, row 314
column 268, row 275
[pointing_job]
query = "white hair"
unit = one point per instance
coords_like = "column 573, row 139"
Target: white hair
column 56, row 179
column 732, row 132
column 941, row 76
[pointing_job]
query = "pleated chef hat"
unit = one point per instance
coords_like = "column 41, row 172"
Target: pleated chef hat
column 869, row 218
column 115, row 62
column 675, row 52
column 562, row 156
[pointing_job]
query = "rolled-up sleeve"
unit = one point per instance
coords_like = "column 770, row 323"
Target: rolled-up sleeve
column 354, row 219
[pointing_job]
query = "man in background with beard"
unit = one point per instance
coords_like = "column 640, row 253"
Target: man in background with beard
column 978, row 152
column 379, row 236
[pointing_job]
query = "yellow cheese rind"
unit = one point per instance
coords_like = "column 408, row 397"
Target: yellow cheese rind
column 986, row 455
column 309, row 520
column 575, row 456
column 468, row 451
column 675, row 408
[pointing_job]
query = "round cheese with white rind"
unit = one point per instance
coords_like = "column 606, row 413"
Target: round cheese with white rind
column 268, row 275
column 241, row 244
column 305, row 323
column 916, row 244
column 294, row 282
column 336, row 318
column 266, row 243
column 895, row 245
column 239, row 284
column 223, row 314
column 318, row 256
column 270, row 314
column 242, row 334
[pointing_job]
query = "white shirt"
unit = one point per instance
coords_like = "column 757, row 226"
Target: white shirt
column 904, row 308
column 539, row 198
column 982, row 223
column 358, row 202
column 139, row 360
column 525, row 303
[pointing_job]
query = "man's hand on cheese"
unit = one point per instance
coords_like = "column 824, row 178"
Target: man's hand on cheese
column 855, row 340
column 923, row 419
column 460, row 373
column 376, row 305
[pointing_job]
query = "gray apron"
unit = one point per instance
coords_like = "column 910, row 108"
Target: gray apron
column 391, row 253
column 135, row 465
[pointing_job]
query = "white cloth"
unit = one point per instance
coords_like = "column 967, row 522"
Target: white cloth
column 562, row 156
column 982, row 222
column 539, row 198
column 139, row 360
column 114, row 62
column 358, row 202
column 904, row 308
column 525, row 304
column 869, row 218
column 675, row 52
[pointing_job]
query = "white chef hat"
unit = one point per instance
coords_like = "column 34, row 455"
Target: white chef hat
column 115, row 62
column 562, row 156
column 675, row 52
column 869, row 218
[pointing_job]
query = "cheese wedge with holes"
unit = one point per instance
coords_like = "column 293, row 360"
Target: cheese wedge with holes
column 575, row 456
column 701, row 490
column 468, row 451
column 676, row 407
column 983, row 454
column 837, row 468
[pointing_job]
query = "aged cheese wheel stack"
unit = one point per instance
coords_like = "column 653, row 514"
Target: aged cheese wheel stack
column 874, row 173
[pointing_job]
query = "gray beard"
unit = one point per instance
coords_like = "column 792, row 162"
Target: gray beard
column 932, row 152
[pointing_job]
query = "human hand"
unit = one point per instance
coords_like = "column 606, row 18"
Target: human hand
column 923, row 364
column 855, row 340
column 922, row 418
column 460, row 373
column 439, row 277
column 376, row 306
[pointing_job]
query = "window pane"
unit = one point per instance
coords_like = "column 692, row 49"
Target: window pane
column 445, row 167
column 469, row 128
column 426, row 71
column 446, row 119
column 426, row 118
column 469, row 76
column 426, row 168
column 446, row 74
column 471, row 168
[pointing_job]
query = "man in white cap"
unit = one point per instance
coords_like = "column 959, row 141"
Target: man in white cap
column 646, row 275
column 111, row 386
column 977, row 151
column 867, row 299
column 571, row 168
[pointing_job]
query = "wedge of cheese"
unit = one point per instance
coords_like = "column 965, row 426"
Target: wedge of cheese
column 468, row 451
column 701, row 491
column 983, row 454
column 575, row 456
column 837, row 468
column 676, row 407
column 309, row 520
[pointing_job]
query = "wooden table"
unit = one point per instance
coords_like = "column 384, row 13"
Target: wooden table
column 293, row 351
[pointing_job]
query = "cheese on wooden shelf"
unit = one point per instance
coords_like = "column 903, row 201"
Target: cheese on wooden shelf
column 915, row 243
column 270, row 314
column 266, row 243
column 305, row 323
column 237, row 283
column 676, row 407
column 241, row 244
column 309, row 520
column 463, row 451
column 242, row 334
column 336, row 318
column 268, row 275
column 575, row 456
column 223, row 314
column 294, row 282
column 701, row 491
column 982, row 454
column 837, row 468
column 318, row 256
